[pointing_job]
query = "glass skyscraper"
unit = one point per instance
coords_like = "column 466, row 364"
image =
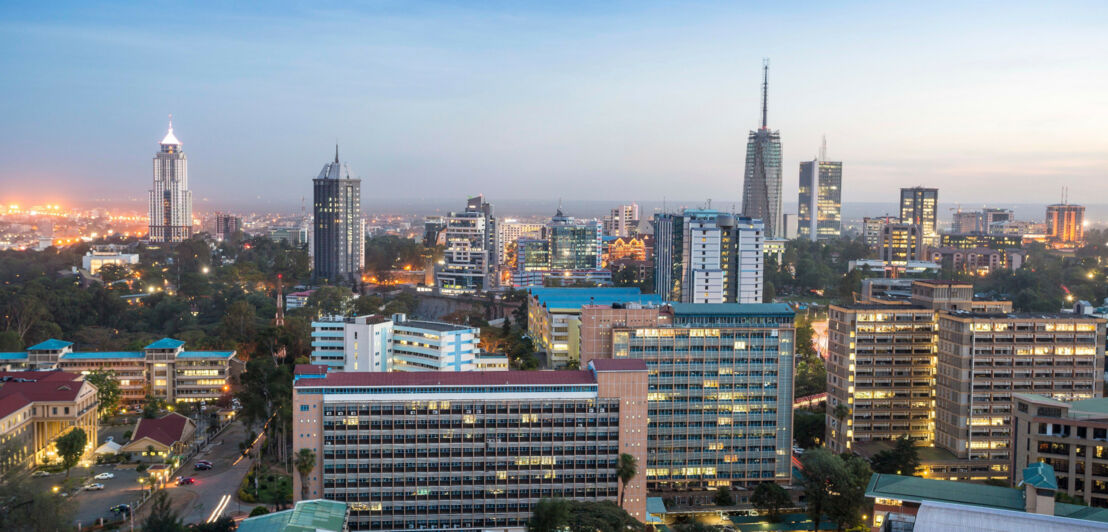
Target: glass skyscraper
column 820, row 199
column 762, row 179
column 170, row 198
column 339, row 234
column 919, row 206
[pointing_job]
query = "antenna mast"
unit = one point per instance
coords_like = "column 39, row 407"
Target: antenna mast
column 823, row 149
column 765, row 89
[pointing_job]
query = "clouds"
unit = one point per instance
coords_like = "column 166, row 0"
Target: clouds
column 523, row 101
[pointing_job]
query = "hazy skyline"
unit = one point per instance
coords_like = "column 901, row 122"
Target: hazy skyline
column 621, row 101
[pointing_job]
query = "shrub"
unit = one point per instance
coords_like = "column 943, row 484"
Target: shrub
column 259, row 510
column 127, row 435
column 141, row 468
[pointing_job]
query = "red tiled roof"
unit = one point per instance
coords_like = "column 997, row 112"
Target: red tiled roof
column 41, row 385
column 619, row 364
column 11, row 403
column 450, row 378
column 166, row 430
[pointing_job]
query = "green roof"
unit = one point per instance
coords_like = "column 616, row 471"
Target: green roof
column 1077, row 511
column 1040, row 475
column 317, row 515
column 915, row 489
column 165, row 343
column 1098, row 405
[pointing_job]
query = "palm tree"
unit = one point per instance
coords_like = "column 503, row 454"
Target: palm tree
column 305, row 463
column 840, row 412
column 626, row 469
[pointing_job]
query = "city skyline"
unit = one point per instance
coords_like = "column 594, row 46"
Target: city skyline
column 584, row 99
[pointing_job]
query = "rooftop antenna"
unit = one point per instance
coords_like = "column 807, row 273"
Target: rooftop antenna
column 709, row 203
column 336, row 153
column 823, row 149
column 765, row 89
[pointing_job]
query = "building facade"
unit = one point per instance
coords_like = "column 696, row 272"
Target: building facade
column 470, row 261
column 707, row 256
column 360, row 343
column 226, row 225
column 623, row 221
column 550, row 311
column 375, row 343
column 1071, row 436
column 38, row 407
column 762, row 178
column 820, row 199
column 872, row 228
column 919, row 206
column 901, row 243
column 1065, row 224
column 338, row 236
column 469, row 451
column 510, row 231
column 100, row 256
column 170, row 198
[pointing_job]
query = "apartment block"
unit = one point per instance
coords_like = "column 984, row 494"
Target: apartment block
column 469, row 451
column 550, row 310
column 360, row 343
column 38, row 407
column 984, row 358
column 720, row 401
column 1071, row 436
column 708, row 256
column 163, row 369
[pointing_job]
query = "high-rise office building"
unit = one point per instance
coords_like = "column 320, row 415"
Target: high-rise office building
column 360, row 343
column 574, row 245
column 623, row 221
column 567, row 251
column 707, row 256
column 508, row 232
column 871, row 229
column 338, row 238
column 820, row 198
column 470, row 451
column 226, row 225
column 762, row 179
column 982, row 221
column 920, row 206
column 901, row 243
column 1065, row 224
column 470, row 259
column 170, row 199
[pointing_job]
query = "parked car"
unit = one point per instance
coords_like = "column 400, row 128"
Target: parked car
column 186, row 481
column 200, row 466
column 94, row 486
column 40, row 473
column 124, row 509
column 104, row 476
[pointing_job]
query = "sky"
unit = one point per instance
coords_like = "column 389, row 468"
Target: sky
column 991, row 102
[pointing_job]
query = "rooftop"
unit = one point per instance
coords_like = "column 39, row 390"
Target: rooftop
column 50, row 345
column 96, row 355
column 14, row 356
column 449, row 378
column 205, row 354
column 944, row 516
column 48, row 386
column 165, row 343
column 732, row 309
column 166, row 430
column 317, row 515
column 432, row 325
column 618, row 364
column 1040, row 475
column 575, row 298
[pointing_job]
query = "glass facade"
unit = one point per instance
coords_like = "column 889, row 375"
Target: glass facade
column 820, row 200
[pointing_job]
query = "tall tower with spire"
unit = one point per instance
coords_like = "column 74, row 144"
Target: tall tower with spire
column 762, row 179
column 338, row 231
column 170, row 198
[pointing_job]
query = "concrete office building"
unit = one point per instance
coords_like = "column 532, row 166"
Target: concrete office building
column 707, row 256
column 338, row 236
column 510, row 231
column 979, row 222
column 361, row 343
column 721, row 392
column 470, row 259
column 901, row 243
column 99, row 256
column 550, row 310
column 38, row 407
column 919, row 206
column 820, row 198
column 419, row 345
column 1065, row 225
column 376, row 343
column 983, row 359
column 170, row 198
column 226, row 225
column 978, row 240
column 469, row 451
column 871, row 229
column 567, row 251
column 163, row 369
column 762, row 178
column 1071, row 436
column 622, row 222
column 590, row 334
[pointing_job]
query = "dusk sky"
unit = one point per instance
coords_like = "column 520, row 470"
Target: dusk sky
column 993, row 103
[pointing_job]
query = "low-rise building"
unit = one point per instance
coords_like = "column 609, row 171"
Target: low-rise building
column 158, row 438
column 1071, row 436
column 38, row 407
column 549, row 311
column 474, row 451
column 100, row 256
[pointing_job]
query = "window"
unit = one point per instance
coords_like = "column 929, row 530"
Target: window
column 303, row 408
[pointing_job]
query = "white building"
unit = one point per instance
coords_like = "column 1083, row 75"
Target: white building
column 470, row 259
column 509, row 231
column 100, row 256
column 707, row 256
column 360, row 343
column 623, row 221
column 433, row 346
column 170, row 199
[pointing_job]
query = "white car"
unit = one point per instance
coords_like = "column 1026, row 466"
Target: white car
column 40, row 473
column 104, row 476
column 94, row 486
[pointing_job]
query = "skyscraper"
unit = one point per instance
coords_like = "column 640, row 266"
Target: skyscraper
column 170, row 199
column 339, row 234
column 623, row 221
column 469, row 262
column 762, row 180
column 706, row 256
column 1065, row 224
column 919, row 206
column 820, row 198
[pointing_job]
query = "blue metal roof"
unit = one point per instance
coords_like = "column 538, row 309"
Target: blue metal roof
column 103, row 355
column 205, row 354
column 1041, row 476
column 13, row 356
column 575, row 298
column 165, row 343
column 50, row 345
column 732, row 309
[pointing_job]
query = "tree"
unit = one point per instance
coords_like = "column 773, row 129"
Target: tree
column 902, row 459
column 110, row 273
column 770, row 498
column 331, row 300
column 152, row 407
column 809, row 428
column 549, row 515
column 723, row 497
column 239, row 321
column 601, row 517
column 162, row 518
column 28, row 509
column 834, row 486
column 223, row 524
column 626, row 469
column 259, row 510
column 107, row 390
column 70, row 447
column 305, row 463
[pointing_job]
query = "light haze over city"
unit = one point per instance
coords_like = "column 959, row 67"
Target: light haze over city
column 619, row 101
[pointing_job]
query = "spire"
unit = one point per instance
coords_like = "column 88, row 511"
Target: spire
column 765, row 89
column 823, row 149
column 170, row 139
column 336, row 153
